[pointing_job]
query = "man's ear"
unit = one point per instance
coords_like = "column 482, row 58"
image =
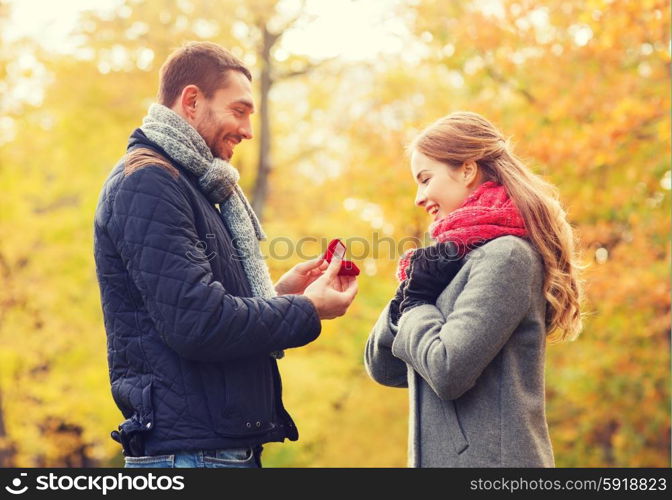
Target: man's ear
column 469, row 172
column 188, row 102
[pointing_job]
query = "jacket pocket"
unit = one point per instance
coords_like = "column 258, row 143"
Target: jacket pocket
column 457, row 436
column 131, row 432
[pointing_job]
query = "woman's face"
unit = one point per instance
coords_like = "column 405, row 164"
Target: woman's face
column 440, row 188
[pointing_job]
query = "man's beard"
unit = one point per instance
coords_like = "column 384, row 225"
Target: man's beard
column 216, row 146
column 216, row 151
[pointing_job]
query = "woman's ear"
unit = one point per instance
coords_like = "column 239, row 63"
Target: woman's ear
column 470, row 173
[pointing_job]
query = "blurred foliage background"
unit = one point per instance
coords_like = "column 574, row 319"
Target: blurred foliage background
column 581, row 86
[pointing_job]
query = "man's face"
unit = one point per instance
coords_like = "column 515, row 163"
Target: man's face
column 224, row 120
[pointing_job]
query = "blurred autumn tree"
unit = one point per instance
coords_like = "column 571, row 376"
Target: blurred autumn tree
column 582, row 88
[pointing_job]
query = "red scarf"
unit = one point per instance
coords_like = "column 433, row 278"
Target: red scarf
column 486, row 214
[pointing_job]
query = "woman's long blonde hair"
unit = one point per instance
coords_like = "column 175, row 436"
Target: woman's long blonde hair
column 463, row 137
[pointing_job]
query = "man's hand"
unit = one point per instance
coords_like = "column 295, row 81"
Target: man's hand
column 300, row 276
column 332, row 294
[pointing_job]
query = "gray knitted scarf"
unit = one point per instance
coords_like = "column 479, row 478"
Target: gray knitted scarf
column 218, row 181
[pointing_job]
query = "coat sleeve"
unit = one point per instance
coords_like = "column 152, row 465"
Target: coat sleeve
column 451, row 352
column 381, row 365
column 153, row 226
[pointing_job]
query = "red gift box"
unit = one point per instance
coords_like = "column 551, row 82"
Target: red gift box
column 348, row 268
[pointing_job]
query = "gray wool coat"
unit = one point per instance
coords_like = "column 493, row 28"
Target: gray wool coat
column 473, row 363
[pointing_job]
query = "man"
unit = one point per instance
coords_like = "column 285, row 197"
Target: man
column 194, row 323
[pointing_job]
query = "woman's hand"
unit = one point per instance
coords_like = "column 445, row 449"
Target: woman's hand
column 430, row 271
column 300, row 276
column 395, row 303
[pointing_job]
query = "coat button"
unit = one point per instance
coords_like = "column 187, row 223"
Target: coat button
column 248, row 425
column 258, row 424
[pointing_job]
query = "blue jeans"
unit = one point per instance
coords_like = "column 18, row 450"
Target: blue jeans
column 227, row 458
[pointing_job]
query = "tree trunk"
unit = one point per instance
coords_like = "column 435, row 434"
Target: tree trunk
column 260, row 193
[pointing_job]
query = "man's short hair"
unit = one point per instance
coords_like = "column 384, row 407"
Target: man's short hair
column 204, row 64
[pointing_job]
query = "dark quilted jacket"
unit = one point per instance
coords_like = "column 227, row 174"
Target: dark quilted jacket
column 188, row 345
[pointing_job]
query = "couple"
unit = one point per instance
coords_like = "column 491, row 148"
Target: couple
column 195, row 324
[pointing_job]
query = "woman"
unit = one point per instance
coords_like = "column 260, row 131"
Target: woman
column 467, row 329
